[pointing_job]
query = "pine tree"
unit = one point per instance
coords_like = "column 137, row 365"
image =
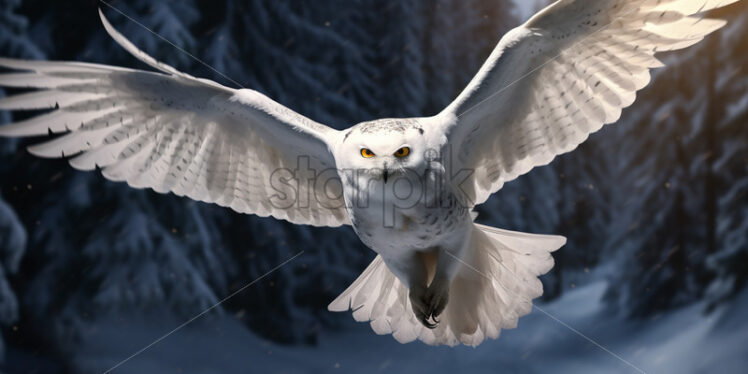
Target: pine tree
column 728, row 263
column 677, row 158
column 13, row 42
column 12, row 248
column 395, row 49
column 13, row 27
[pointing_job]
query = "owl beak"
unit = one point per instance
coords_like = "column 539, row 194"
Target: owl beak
column 385, row 174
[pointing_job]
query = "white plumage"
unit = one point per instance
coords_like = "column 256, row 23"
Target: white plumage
column 561, row 76
column 548, row 84
column 489, row 293
column 172, row 133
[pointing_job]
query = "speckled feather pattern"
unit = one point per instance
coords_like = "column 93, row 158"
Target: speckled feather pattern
column 174, row 133
column 561, row 76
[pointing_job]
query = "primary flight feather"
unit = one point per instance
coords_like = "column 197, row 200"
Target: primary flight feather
column 407, row 186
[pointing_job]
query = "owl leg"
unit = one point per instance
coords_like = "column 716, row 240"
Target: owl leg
column 420, row 306
column 413, row 271
column 428, row 302
column 437, row 296
column 437, row 293
column 429, row 295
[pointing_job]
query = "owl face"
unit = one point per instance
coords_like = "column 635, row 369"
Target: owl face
column 383, row 150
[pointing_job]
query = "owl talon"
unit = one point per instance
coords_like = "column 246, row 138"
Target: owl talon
column 437, row 296
column 429, row 303
column 429, row 325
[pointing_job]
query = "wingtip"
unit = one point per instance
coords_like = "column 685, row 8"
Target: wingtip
column 107, row 25
column 719, row 23
column 5, row 132
column 10, row 131
column 37, row 151
column 131, row 48
column 47, row 149
column 561, row 241
column 115, row 34
column 14, row 63
column 5, row 62
column 338, row 306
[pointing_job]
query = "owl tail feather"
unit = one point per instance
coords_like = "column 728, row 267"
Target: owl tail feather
column 493, row 288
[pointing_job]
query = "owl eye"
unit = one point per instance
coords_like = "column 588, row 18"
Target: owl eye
column 366, row 153
column 402, row 152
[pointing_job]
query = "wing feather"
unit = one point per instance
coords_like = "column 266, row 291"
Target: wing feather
column 175, row 133
column 561, row 76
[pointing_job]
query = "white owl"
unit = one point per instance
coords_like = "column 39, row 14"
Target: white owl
column 407, row 186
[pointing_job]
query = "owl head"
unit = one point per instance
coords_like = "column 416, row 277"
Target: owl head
column 384, row 149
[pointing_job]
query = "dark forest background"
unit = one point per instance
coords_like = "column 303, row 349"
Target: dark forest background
column 656, row 203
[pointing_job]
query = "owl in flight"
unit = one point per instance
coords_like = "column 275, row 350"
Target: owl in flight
column 407, row 186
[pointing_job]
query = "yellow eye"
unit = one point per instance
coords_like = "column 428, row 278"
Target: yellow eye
column 366, row 153
column 402, row 152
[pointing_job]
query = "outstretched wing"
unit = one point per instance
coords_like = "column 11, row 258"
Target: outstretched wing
column 561, row 76
column 175, row 133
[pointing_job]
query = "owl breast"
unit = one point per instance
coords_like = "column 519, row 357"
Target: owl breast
column 392, row 218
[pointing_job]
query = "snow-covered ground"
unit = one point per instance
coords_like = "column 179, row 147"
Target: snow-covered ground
column 683, row 341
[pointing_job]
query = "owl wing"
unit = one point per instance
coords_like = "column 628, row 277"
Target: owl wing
column 175, row 133
column 561, row 76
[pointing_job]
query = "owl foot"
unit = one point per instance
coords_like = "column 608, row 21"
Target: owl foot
column 437, row 296
column 417, row 297
column 429, row 303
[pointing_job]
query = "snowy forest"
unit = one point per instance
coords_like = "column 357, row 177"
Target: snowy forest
column 655, row 206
